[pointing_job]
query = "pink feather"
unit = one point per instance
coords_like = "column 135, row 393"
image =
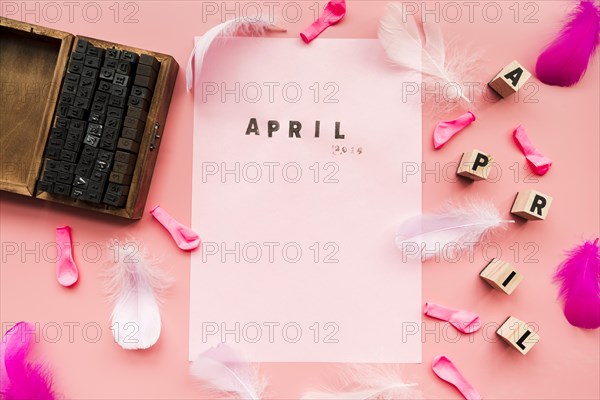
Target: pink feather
column 566, row 59
column 23, row 380
column 579, row 276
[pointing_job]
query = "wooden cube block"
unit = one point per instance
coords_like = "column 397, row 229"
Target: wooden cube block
column 501, row 275
column 518, row 334
column 474, row 165
column 531, row 205
column 510, row 79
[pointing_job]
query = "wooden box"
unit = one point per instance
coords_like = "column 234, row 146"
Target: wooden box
column 33, row 64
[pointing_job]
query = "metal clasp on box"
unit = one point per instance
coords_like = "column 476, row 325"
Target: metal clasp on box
column 155, row 136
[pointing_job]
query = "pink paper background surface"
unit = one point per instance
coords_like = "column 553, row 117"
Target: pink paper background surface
column 295, row 193
column 563, row 123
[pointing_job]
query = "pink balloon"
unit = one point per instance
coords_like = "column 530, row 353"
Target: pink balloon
column 539, row 163
column 445, row 369
column 446, row 129
column 464, row 321
column 66, row 270
column 184, row 237
column 333, row 13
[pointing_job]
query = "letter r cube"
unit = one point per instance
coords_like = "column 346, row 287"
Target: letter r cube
column 531, row 205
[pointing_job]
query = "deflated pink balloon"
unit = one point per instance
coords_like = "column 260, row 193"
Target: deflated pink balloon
column 334, row 11
column 66, row 270
column 446, row 129
column 539, row 163
column 447, row 371
column 463, row 321
column 184, row 237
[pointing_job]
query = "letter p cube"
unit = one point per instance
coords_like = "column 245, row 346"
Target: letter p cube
column 475, row 165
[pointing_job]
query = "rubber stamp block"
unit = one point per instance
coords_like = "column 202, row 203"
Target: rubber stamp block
column 135, row 135
column 125, row 67
column 113, row 54
column 44, row 186
column 146, row 59
column 122, row 168
column 82, row 46
column 134, row 123
column 92, row 196
column 61, row 188
column 114, row 200
column 531, row 205
column 145, row 70
column 141, row 92
column 135, row 101
column 129, row 56
column 138, row 113
column 128, row 145
column 118, row 178
column 145, row 81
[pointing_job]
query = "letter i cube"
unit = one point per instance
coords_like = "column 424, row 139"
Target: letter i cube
column 518, row 334
column 531, row 205
column 474, row 165
column 510, row 79
column 501, row 275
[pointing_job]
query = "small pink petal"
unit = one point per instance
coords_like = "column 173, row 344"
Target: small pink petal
column 539, row 163
column 445, row 130
column 66, row 270
column 333, row 13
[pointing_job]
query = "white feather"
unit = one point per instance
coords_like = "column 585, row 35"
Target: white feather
column 445, row 70
column 362, row 382
column 135, row 285
column 221, row 370
column 238, row 26
column 452, row 230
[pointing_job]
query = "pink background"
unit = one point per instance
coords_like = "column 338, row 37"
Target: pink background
column 563, row 123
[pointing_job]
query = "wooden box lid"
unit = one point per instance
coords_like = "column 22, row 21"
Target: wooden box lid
column 32, row 64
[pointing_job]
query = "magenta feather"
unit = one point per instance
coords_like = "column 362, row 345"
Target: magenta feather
column 23, row 379
column 566, row 59
column 579, row 276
